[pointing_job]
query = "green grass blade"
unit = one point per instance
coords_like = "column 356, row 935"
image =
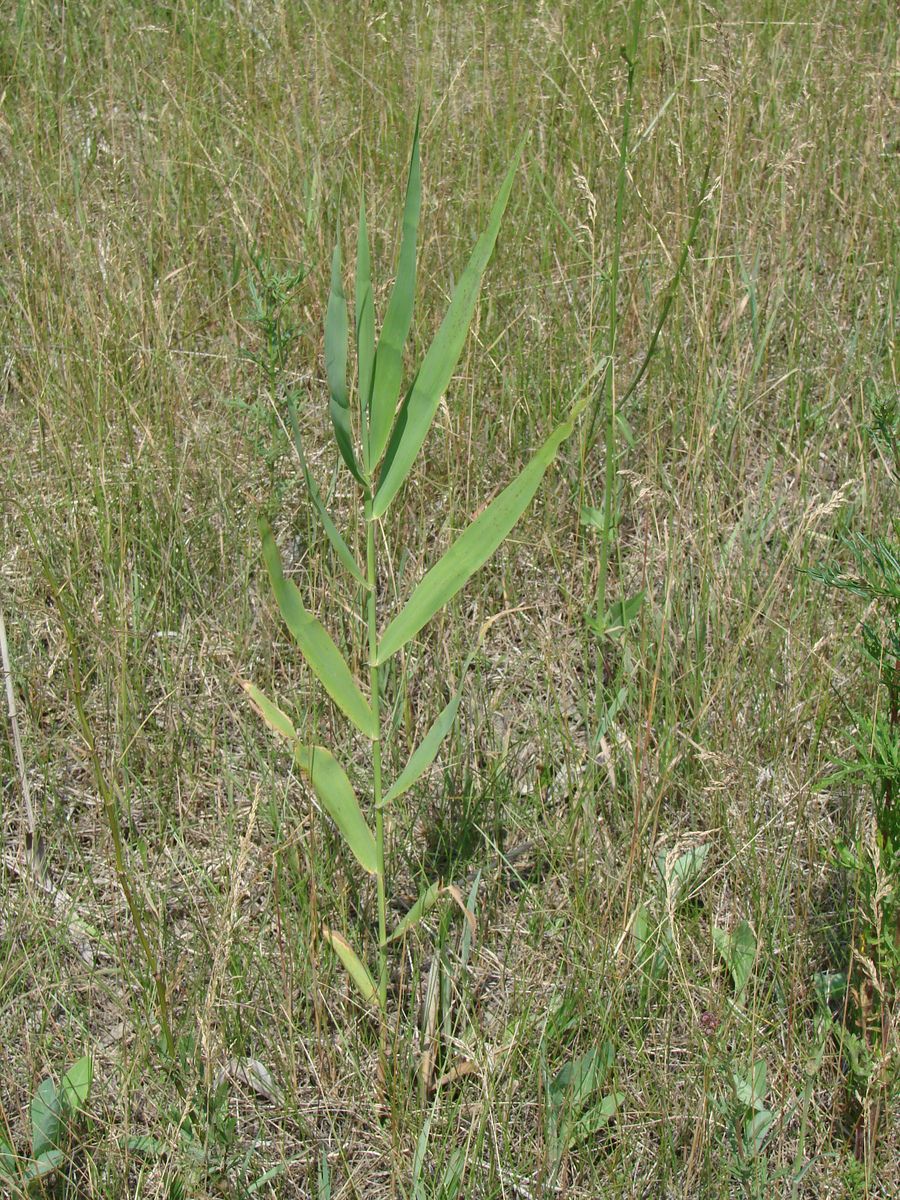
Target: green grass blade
column 365, row 326
column 424, row 754
column 337, row 797
column 439, row 363
column 355, row 967
column 336, row 335
column 398, row 318
column 472, row 548
column 314, row 641
column 343, row 551
column 422, row 906
column 328, row 778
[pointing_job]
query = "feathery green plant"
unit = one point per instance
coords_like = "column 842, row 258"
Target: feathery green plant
column 378, row 442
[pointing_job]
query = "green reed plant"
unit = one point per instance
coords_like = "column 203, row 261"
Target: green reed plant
column 378, row 440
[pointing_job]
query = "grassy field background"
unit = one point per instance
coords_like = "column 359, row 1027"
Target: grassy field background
column 150, row 152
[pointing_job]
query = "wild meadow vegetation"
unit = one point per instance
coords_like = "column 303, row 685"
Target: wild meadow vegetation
column 531, row 466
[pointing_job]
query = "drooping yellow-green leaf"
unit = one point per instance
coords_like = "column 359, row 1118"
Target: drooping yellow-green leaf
column 337, row 797
column 336, row 335
column 277, row 720
column 473, row 547
column 353, row 964
column 397, row 319
column 424, row 754
column 328, row 778
column 437, row 367
column 313, row 639
column 365, row 327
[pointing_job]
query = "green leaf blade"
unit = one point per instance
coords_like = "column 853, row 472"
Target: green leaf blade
column 46, row 1119
column 738, row 949
column 337, row 797
column 420, row 909
column 336, row 337
column 472, row 548
column 320, row 652
column 277, row 720
column 354, row 966
column 328, row 779
column 595, row 1119
column 343, row 551
column 426, row 752
column 398, row 318
column 365, row 326
column 44, row 1164
column 75, row 1087
column 439, row 363
column 8, row 1161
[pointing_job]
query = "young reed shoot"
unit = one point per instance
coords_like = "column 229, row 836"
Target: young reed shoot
column 379, row 432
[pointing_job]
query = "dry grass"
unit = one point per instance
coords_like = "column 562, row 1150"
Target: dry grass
column 145, row 151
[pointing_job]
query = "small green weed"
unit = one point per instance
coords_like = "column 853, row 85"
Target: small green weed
column 54, row 1114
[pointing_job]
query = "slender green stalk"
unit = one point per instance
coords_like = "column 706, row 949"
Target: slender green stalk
column 375, row 701
column 610, row 447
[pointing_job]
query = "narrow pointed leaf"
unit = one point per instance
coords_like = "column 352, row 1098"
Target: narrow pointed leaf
column 472, row 548
column 276, row 719
column 337, row 797
column 355, row 967
column 398, row 318
column 343, row 551
column 313, row 639
column 336, row 334
column 424, row 754
column 328, row 778
column 365, row 326
column 440, row 360
column 423, row 905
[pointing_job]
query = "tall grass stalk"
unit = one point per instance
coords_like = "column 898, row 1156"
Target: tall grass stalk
column 629, row 53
